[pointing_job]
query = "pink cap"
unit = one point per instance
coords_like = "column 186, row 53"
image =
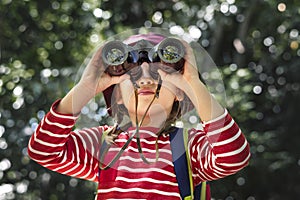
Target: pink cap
column 154, row 38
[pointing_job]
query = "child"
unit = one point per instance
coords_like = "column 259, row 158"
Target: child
column 135, row 158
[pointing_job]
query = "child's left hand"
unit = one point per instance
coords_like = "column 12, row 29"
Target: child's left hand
column 190, row 71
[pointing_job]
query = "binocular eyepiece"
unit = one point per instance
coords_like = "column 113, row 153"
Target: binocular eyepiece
column 119, row 58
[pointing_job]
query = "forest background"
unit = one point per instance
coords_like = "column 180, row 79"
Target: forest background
column 255, row 45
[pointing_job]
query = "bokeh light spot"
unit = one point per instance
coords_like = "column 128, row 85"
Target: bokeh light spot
column 281, row 7
column 257, row 89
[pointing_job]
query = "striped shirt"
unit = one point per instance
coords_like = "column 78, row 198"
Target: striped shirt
column 218, row 150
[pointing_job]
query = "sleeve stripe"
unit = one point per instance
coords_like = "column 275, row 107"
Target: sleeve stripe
column 59, row 169
column 37, row 152
column 85, row 158
column 66, row 165
column 236, row 164
column 53, row 134
column 206, row 164
column 88, row 174
column 57, row 124
column 94, row 179
column 80, row 171
column 47, row 143
column 42, row 161
column 89, row 134
column 228, row 126
column 205, row 176
column 233, row 152
column 76, row 150
column 237, row 135
column 220, row 170
column 200, row 149
column 72, row 169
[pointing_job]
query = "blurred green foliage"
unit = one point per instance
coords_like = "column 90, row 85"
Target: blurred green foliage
column 254, row 43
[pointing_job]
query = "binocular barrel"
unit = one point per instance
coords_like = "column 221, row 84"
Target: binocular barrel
column 118, row 57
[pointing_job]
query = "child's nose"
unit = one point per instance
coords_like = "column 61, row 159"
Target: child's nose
column 146, row 77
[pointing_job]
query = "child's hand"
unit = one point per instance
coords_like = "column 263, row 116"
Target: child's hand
column 93, row 81
column 94, row 77
column 190, row 64
column 190, row 71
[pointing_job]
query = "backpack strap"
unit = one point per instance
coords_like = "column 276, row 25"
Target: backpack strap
column 188, row 159
column 180, row 162
column 182, row 167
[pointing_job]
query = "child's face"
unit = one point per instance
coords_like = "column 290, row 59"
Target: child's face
column 161, row 107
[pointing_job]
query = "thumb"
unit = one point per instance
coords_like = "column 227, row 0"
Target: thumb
column 162, row 74
column 170, row 78
column 119, row 79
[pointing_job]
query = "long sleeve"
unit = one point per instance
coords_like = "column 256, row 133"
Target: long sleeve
column 219, row 150
column 55, row 146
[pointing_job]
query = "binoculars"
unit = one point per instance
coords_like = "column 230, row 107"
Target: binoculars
column 119, row 58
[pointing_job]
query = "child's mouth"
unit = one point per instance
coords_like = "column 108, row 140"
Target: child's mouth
column 145, row 92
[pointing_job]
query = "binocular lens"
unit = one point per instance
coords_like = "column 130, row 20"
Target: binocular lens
column 114, row 56
column 170, row 53
column 114, row 53
column 171, row 50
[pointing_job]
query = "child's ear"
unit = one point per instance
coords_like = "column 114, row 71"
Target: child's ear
column 179, row 95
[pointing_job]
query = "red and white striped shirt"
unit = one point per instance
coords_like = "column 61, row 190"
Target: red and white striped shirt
column 219, row 150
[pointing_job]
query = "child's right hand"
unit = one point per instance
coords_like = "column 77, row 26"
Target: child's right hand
column 95, row 79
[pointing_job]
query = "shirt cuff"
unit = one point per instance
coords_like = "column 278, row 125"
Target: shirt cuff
column 218, row 122
column 56, row 116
